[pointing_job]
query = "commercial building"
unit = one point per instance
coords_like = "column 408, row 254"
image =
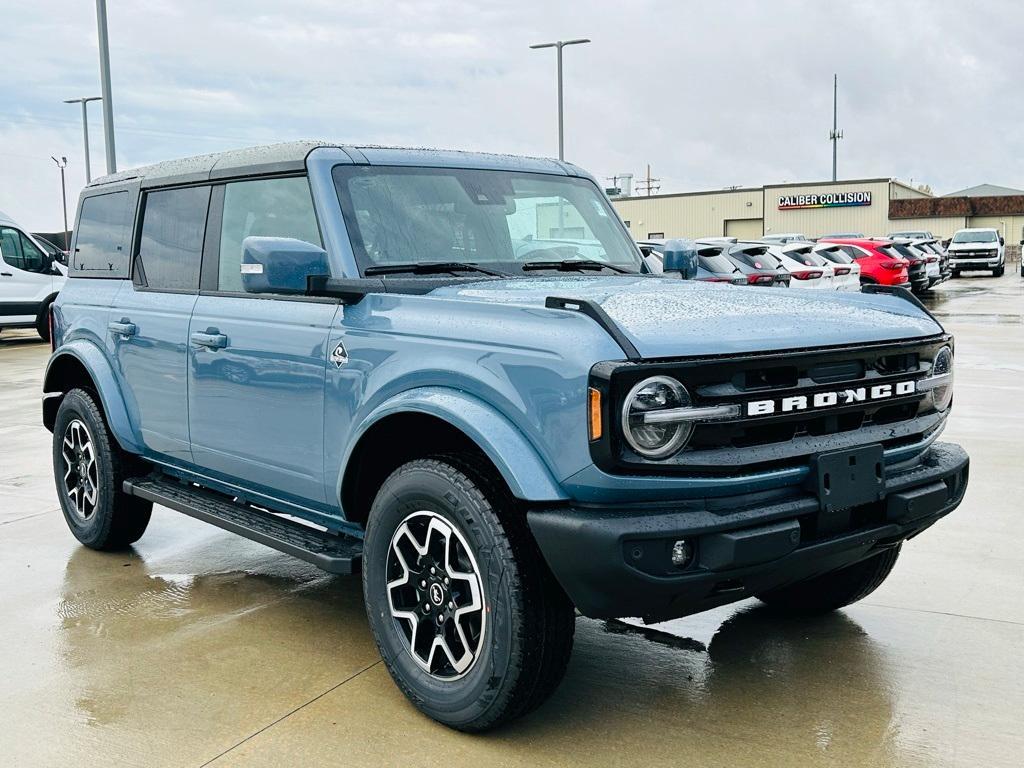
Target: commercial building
column 870, row 206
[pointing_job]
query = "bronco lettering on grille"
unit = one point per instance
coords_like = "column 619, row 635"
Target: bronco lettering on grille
column 830, row 399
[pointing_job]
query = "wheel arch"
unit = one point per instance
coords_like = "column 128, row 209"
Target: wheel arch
column 434, row 420
column 82, row 364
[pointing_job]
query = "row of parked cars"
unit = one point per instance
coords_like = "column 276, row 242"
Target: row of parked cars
column 844, row 261
column 842, row 264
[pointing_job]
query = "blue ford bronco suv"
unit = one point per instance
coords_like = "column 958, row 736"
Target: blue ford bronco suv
column 455, row 374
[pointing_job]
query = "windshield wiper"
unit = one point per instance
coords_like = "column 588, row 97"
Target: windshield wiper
column 430, row 268
column 568, row 265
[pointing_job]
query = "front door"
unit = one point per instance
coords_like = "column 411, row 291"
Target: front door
column 257, row 362
column 26, row 278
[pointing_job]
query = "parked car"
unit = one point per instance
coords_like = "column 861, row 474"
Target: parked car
column 766, row 274
column 879, row 264
column 493, row 438
column 29, row 279
column 847, row 270
column 936, row 262
column 979, row 248
column 762, row 268
column 805, row 268
column 786, row 237
column 712, row 266
column 917, row 265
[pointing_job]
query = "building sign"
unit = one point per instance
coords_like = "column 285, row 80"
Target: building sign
column 825, row 200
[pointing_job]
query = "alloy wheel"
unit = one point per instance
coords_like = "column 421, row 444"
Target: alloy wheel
column 436, row 595
column 81, row 474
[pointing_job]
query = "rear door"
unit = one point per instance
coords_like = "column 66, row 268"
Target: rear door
column 257, row 362
column 26, row 278
column 148, row 322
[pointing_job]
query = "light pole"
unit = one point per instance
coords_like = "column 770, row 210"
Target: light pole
column 62, row 164
column 85, row 129
column 559, row 45
column 836, row 134
column 108, row 107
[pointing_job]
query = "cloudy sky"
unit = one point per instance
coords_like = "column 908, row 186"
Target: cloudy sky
column 711, row 94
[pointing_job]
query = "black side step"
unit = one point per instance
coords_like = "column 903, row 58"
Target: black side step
column 334, row 553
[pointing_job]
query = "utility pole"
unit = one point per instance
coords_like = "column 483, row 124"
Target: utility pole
column 62, row 164
column 836, row 134
column 558, row 45
column 649, row 184
column 108, row 106
column 85, row 130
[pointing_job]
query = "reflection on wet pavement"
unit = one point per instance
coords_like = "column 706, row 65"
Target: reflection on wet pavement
column 197, row 646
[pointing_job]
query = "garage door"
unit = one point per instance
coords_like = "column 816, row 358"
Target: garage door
column 744, row 229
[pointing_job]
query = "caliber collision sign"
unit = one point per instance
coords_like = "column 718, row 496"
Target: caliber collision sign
column 825, row 200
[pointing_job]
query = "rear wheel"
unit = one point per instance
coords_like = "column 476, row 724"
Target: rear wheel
column 830, row 591
column 89, row 468
column 43, row 321
column 468, row 618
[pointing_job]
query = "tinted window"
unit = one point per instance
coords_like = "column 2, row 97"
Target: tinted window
column 263, row 208
column 101, row 248
column 759, row 258
column 715, row 262
column 171, row 243
column 837, row 255
column 20, row 252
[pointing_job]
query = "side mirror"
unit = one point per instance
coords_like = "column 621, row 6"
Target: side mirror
column 280, row 264
column 681, row 256
column 1002, row 241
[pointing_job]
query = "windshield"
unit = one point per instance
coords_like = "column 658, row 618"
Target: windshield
column 502, row 220
column 975, row 237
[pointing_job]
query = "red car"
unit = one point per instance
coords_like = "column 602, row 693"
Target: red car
column 879, row 262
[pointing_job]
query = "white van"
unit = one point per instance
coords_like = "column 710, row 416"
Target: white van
column 29, row 279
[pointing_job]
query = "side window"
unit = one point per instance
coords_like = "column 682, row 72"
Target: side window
column 171, row 242
column 262, row 208
column 101, row 247
column 20, row 252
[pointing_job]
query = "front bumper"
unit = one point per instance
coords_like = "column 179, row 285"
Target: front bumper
column 614, row 560
column 974, row 262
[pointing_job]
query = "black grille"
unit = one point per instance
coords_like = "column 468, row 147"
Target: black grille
column 754, row 442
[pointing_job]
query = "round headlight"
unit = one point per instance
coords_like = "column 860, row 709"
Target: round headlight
column 942, row 365
column 655, row 440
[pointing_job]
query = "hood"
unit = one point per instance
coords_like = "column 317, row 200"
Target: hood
column 666, row 317
column 953, row 247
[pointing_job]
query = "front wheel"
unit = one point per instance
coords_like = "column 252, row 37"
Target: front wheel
column 468, row 618
column 89, row 468
column 998, row 271
column 830, row 591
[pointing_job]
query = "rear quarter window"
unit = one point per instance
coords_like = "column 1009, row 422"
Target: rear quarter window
column 101, row 240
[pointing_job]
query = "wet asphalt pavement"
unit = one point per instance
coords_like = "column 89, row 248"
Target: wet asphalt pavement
column 199, row 647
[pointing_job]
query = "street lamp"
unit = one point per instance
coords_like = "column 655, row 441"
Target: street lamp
column 559, row 45
column 85, row 129
column 108, row 106
column 62, row 164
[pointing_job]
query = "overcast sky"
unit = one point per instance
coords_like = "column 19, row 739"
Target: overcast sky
column 711, row 94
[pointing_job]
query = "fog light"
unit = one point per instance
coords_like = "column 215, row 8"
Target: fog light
column 682, row 553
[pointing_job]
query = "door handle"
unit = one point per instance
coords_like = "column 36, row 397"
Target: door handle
column 124, row 329
column 209, row 340
column 6, row 274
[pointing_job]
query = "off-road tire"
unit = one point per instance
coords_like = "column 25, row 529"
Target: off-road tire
column 117, row 519
column 528, row 635
column 831, row 591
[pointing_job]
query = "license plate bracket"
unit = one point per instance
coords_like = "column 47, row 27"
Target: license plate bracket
column 848, row 478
